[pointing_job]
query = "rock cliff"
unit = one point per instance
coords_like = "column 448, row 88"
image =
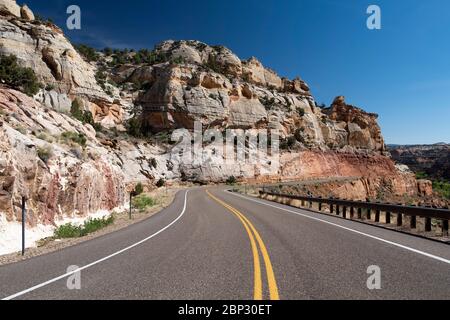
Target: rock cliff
column 65, row 167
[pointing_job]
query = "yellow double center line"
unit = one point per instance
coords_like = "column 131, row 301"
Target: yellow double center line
column 253, row 234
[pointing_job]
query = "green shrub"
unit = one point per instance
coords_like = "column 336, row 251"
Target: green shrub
column 138, row 189
column 19, row 78
column 84, row 116
column 161, row 183
column 154, row 163
column 288, row 143
column 143, row 202
column 45, row 153
column 46, row 137
column 231, row 180
column 442, row 188
column 70, row 230
column 88, row 53
column 301, row 112
column 74, row 137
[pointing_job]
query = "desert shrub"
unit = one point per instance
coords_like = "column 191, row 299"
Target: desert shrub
column 46, row 137
column 45, row 153
column 301, row 112
column 20, row 78
column 70, row 230
column 138, row 189
column 74, row 137
column 288, row 143
column 88, row 53
column 154, row 163
column 161, row 183
column 84, row 116
column 442, row 188
column 231, row 180
column 143, row 202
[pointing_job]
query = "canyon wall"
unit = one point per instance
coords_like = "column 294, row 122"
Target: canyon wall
column 66, row 167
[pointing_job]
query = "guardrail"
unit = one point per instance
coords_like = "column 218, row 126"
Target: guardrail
column 373, row 210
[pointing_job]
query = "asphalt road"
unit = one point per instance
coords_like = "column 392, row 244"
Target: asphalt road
column 211, row 244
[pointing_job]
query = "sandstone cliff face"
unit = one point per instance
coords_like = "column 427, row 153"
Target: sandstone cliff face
column 212, row 85
column 63, row 186
column 192, row 82
column 434, row 160
column 43, row 47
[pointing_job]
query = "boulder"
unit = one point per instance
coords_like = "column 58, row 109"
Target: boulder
column 10, row 7
column 26, row 13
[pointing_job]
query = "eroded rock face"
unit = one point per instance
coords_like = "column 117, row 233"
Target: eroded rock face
column 44, row 48
column 68, row 183
column 9, row 7
column 190, row 82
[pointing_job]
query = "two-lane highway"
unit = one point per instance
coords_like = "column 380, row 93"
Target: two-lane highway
column 211, row 244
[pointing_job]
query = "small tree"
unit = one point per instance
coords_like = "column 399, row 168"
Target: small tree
column 138, row 189
column 231, row 180
column 161, row 183
column 23, row 79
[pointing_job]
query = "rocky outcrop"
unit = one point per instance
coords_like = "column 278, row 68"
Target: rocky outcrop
column 10, row 8
column 65, row 167
column 26, row 13
column 58, row 178
column 43, row 47
column 433, row 160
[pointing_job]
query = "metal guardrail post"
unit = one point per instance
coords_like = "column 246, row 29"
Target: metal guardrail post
column 445, row 227
column 24, row 217
column 377, row 215
column 399, row 219
column 413, row 222
column 427, row 224
column 412, row 212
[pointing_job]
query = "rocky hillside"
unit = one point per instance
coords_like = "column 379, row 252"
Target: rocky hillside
column 432, row 160
column 101, row 122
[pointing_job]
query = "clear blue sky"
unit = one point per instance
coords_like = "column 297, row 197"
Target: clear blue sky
column 401, row 72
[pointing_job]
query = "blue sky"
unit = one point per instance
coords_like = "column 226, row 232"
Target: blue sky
column 401, row 72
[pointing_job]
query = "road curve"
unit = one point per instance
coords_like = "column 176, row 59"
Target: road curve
column 211, row 244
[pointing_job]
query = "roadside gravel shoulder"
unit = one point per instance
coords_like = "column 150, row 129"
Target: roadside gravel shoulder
column 165, row 198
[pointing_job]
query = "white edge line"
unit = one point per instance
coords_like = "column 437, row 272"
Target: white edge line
column 349, row 229
column 100, row 260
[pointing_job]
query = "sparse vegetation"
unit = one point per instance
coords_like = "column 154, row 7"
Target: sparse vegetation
column 45, row 153
column 74, row 231
column 288, row 143
column 143, row 202
column 442, row 188
column 88, row 53
column 19, row 78
column 161, row 183
column 231, row 181
column 83, row 116
column 268, row 103
column 74, row 137
column 138, row 189
column 45, row 136
column 301, row 112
